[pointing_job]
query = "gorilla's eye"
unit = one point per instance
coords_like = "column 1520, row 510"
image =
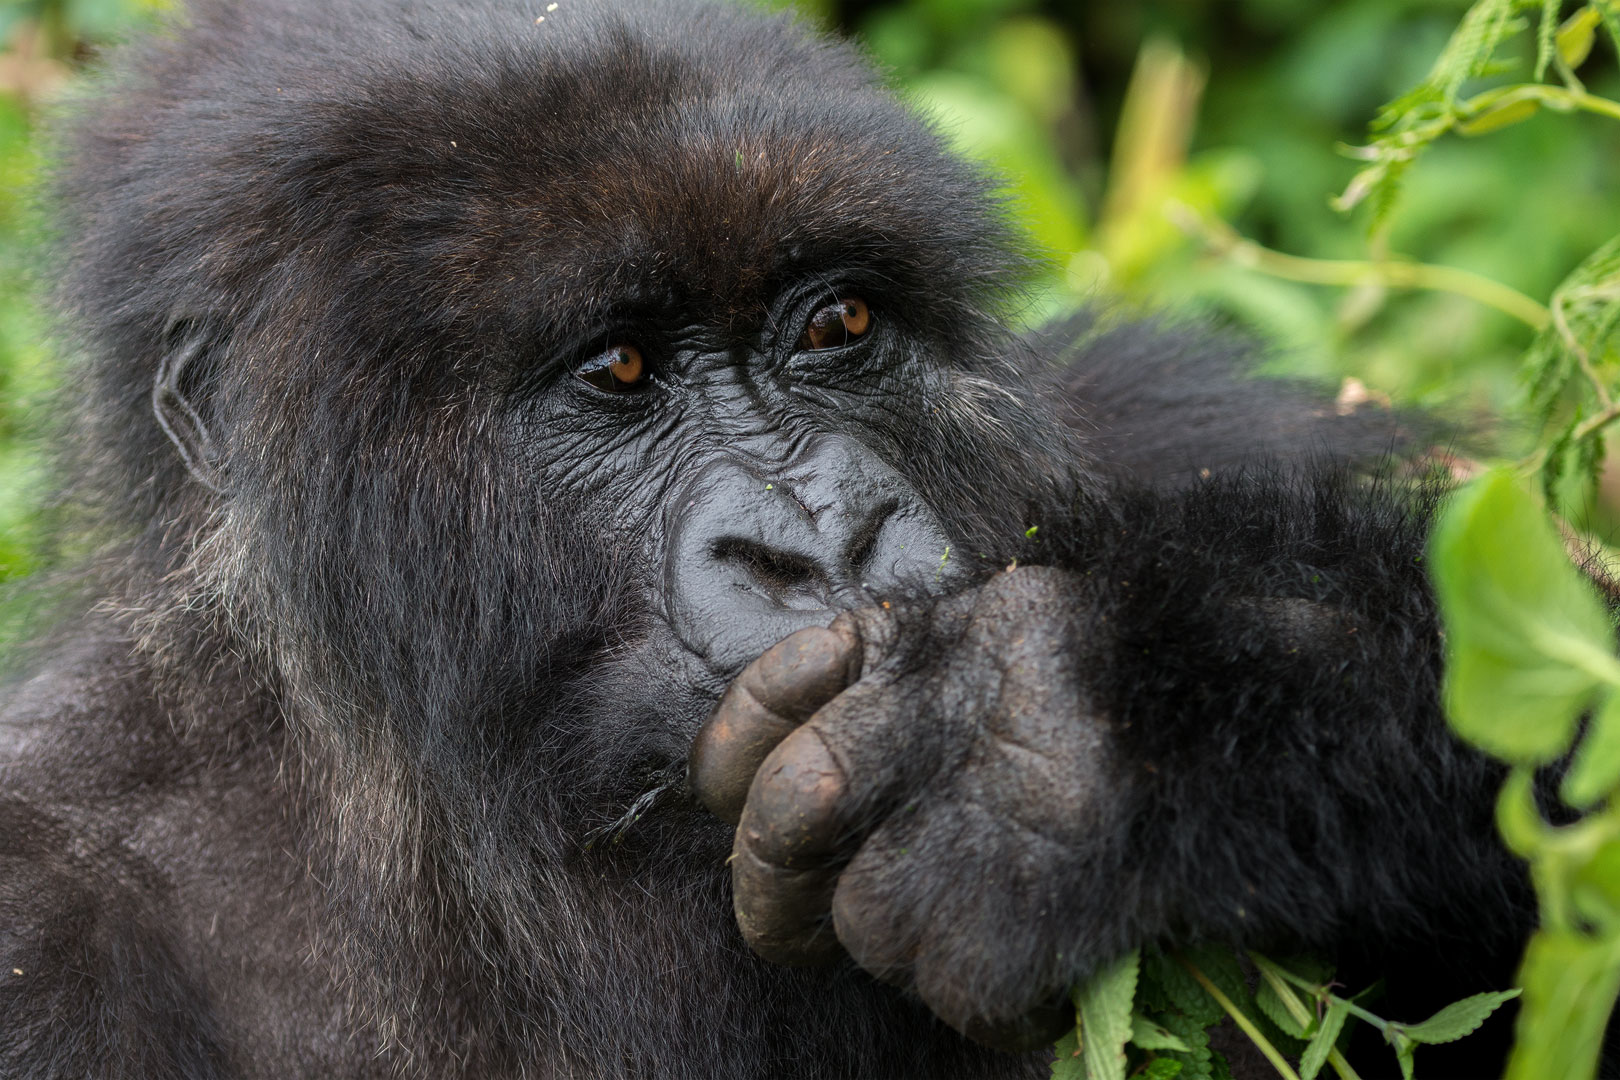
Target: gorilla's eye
column 837, row 324
column 617, row 369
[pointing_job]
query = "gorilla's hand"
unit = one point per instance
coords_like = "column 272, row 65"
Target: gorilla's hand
column 934, row 807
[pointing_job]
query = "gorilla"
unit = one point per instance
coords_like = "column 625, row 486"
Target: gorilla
column 580, row 579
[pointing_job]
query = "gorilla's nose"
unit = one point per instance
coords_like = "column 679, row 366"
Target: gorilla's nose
column 756, row 555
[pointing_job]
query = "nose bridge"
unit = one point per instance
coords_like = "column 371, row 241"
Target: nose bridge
column 759, row 549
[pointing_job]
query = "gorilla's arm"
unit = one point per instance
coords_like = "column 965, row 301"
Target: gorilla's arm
column 1168, row 402
column 1183, row 726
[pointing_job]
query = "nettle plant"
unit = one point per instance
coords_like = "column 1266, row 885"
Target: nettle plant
column 1531, row 672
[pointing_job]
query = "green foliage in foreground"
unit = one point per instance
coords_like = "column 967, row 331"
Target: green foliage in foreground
column 1530, row 653
column 1147, row 1015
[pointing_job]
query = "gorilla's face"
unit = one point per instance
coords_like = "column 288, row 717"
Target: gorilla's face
column 757, row 474
column 743, row 349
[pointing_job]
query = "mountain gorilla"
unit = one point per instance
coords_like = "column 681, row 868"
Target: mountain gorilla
column 505, row 426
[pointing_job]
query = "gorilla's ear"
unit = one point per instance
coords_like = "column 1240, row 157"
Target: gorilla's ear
column 181, row 374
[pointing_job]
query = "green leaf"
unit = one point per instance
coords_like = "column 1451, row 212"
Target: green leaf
column 1220, row 965
column 1546, row 31
column 1596, row 768
column 1151, row 1036
column 1528, row 640
column 1284, row 1004
column 1594, row 884
column 1576, row 36
column 1521, row 709
column 1162, row 1069
column 1457, row 1019
column 1570, row 982
column 1198, row 1061
column 1321, row 1044
column 1271, row 1003
column 1067, row 1064
column 1182, row 990
column 1611, row 20
column 1518, row 820
column 1104, row 1008
column 1404, row 1049
column 1500, row 116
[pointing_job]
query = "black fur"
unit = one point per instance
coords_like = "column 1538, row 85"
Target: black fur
column 365, row 761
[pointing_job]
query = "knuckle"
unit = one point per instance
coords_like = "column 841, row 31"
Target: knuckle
column 794, row 804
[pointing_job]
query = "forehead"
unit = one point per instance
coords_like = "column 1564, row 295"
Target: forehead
column 690, row 155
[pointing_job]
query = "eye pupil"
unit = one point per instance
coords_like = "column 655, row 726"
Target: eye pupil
column 837, row 324
column 617, row 369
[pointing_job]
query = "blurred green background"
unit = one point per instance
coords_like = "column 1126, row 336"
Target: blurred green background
column 1111, row 122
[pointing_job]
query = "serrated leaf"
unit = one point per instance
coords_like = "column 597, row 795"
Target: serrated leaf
column 1321, row 1044
column 1483, row 28
column 1458, row 1019
column 1162, row 1069
column 1270, row 1002
column 1546, row 31
column 1197, row 1060
column 1151, row 1036
column 1182, row 990
column 1595, row 771
column 1104, row 1009
column 1220, row 965
column 1576, row 36
column 1528, row 640
column 1067, row 1063
column 1570, row 982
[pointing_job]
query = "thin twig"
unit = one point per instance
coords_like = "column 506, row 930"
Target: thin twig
column 1272, row 1054
column 1225, row 241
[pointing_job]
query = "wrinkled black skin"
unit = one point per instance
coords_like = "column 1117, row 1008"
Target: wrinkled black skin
column 384, row 635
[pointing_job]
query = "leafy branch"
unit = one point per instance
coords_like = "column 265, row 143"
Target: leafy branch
column 1223, row 240
column 1531, row 676
column 1147, row 1015
column 1574, row 357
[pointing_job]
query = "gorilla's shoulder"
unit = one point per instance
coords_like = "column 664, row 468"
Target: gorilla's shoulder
column 88, row 975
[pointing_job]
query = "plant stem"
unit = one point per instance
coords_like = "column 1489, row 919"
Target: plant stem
column 1278, row 1062
column 1321, row 992
column 1273, row 973
column 1593, row 104
column 1225, row 241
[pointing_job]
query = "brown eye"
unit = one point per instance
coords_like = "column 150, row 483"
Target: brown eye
column 619, row 368
column 837, row 324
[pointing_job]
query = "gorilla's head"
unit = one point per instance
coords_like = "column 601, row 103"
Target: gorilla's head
column 506, row 405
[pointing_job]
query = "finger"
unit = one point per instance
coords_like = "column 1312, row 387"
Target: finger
column 810, row 805
column 786, row 856
column 773, row 695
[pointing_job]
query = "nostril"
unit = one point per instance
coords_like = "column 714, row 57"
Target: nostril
column 780, row 573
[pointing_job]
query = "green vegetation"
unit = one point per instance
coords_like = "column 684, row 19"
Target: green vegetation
column 1147, row 1015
